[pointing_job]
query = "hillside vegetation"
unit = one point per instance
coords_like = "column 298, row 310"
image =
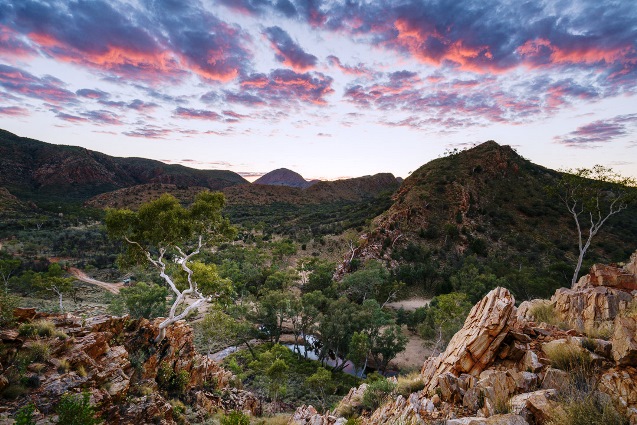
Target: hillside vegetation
column 466, row 220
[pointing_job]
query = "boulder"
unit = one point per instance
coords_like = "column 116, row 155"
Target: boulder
column 24, row 314
column 624, row 342
column 475, row 346
column 610, row 276
column 621, row 386
column 631, row 266
column 307, row 415
column 556, row 379
column 535, row 407
column 530, row 362
column 585, row 308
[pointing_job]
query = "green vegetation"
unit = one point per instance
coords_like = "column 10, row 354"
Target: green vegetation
column 377, row 393
column 235, row 418
column 141, row 300
column 280, row 375
column 163, row 228
column 24, row 416
column 570, row 358
column 76, row 409
column 587, row 409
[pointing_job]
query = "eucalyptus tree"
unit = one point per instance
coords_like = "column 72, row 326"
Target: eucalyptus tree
column 168, row 236
column 592, row 196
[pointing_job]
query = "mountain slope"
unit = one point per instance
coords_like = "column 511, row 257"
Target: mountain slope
column 283, row 177
column 35, row 170
column 325, row 208
column 485, row 211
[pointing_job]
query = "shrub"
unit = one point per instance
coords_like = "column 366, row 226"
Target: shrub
column 75, row 409
column 587, row 409
column 40, row 351
column 544, row 312
column 235, row 418
column 602, row 330
column 14, row 391
column 409, row 384
column 569, row 358
column 376, row 393
column 171, row 381
column 24, row 416
column 64, row 366
column 7, row 304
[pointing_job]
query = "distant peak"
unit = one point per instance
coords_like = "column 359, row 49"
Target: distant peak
column 283, row 177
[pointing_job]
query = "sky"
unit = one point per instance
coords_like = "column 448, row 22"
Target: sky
column 330, row 89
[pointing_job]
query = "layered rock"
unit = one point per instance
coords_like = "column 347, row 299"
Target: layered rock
column 475, row 346
column 127, row 375
column 624, row 342
column 597, row 297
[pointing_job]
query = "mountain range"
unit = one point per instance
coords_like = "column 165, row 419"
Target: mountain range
column 486, row 205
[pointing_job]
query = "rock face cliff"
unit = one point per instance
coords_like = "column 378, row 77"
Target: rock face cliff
column 500, row 368
column 129, row 378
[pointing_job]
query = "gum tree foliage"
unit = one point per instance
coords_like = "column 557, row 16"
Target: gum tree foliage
column 163, row 233
column 8, row 266
column 54, row 281
column 592, row 196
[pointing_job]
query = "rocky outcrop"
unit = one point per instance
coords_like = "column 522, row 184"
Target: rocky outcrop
column 500, row 360
column 598, row 297
column 624, row 342
column 308, row 415
column 588, row 307
column 621, row 385
column 128, row 376
column 475, row 346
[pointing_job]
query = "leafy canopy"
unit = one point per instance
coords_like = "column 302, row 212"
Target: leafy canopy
column 164, row 223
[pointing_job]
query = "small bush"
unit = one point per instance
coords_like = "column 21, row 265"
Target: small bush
column 45, row 328
column 569, row 358
column 75, row 409
column 544, row 312
column 40, row 352
column 235, row 418
column 602, row 330
column 14, row 391
column 81, row 371
column 587, row 409
column 24, row 416
column 409, row 384
column 64, row 366
column 376, row 393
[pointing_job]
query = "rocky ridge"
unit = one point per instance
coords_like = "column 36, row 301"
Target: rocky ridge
column 497, row 368
column 129, row 378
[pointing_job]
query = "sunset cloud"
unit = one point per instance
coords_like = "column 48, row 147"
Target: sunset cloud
column 46, row 88
column 199, row 114
column 285, row 85
column 599, row 132
column 288, row 51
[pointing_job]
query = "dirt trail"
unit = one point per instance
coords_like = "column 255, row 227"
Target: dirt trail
column 410, row 304
column 110, row 287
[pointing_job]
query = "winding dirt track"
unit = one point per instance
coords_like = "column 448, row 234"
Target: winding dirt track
column 110, row 287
